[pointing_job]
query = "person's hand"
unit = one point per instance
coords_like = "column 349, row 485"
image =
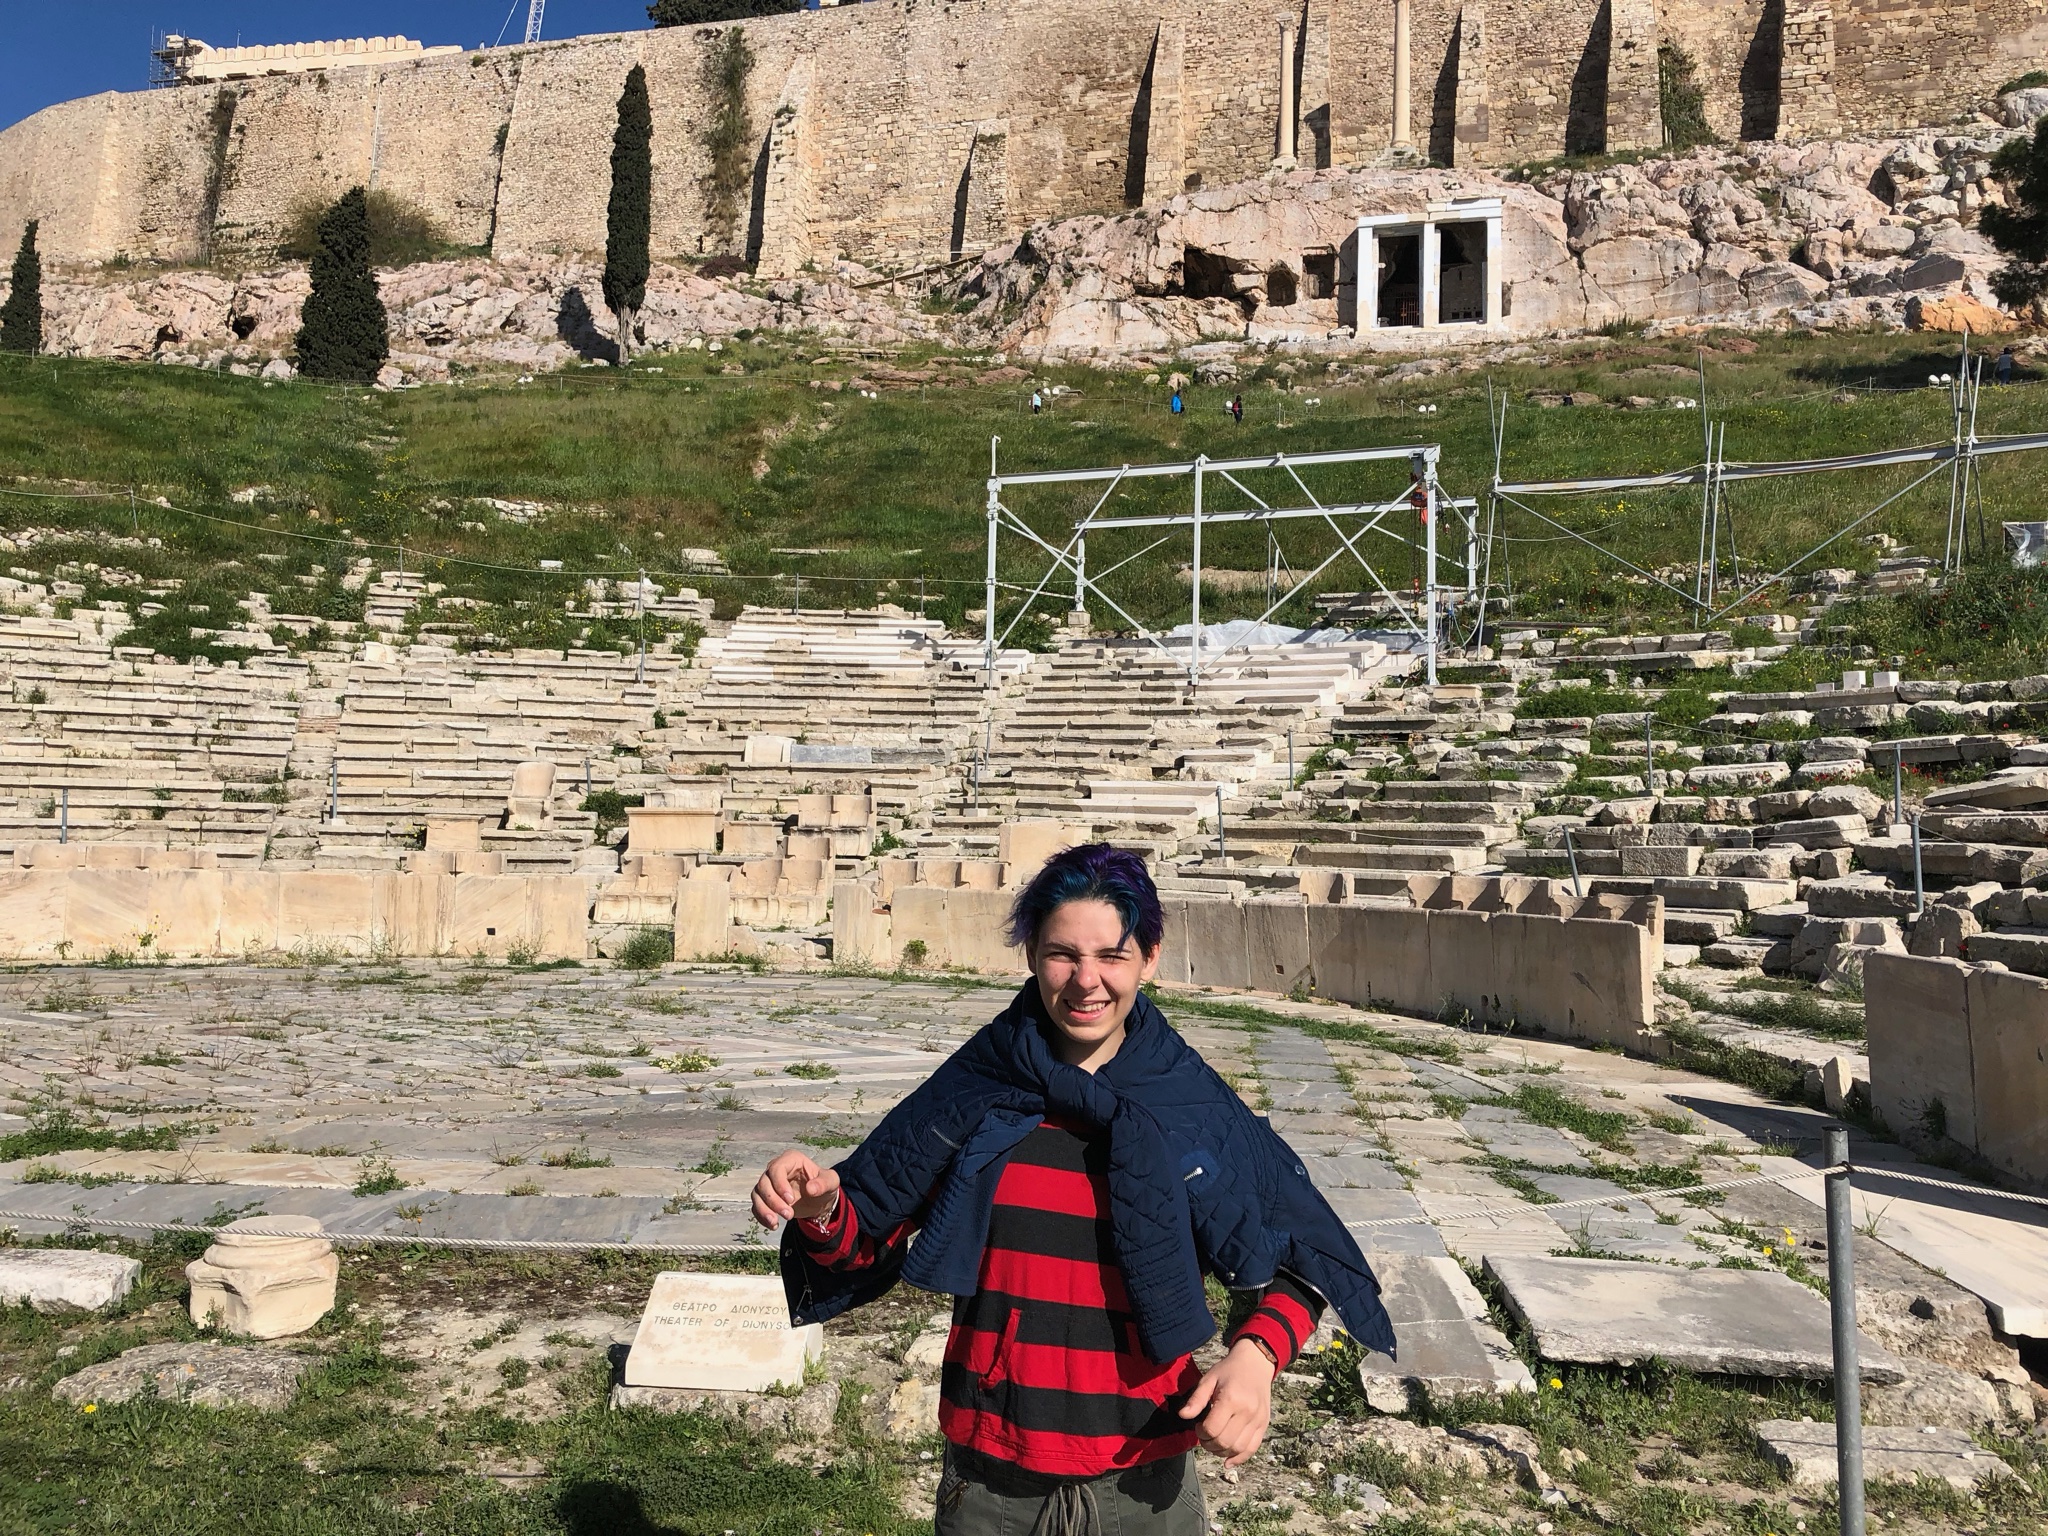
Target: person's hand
column 1234, row 1400
column 793, row 1188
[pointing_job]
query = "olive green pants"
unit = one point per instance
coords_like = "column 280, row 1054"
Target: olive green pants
column 981, row 1496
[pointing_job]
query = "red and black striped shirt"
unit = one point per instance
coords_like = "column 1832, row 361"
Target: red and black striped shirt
column 1043, row 1367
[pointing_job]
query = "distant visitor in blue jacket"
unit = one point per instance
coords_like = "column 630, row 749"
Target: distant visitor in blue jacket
column 1071, row 1173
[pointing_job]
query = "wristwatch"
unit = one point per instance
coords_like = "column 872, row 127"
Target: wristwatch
column 1265, row 1349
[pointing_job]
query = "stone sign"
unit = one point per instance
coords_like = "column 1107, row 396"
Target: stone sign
column 720, row 1333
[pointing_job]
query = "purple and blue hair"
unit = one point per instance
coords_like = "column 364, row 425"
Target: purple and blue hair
column 1092, row 872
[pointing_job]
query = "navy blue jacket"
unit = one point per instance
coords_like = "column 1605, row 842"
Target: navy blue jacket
column 1196, row 1182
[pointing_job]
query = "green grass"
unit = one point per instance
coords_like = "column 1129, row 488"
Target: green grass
column 1553, row 1107
column 894, row 484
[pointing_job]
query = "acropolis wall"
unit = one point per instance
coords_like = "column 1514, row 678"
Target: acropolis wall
column 907, row 131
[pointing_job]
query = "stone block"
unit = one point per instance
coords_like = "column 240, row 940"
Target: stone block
column 1917, row 1022
column 703, row 919
column 413, row 912
column 65, row 1279
column 1814, row 832
column 1461, row 962
column 2009, row 1056
column 1448, row 1347
column 1680, row 861
column 488, row 915
column 810, row 845
column 671, row 829
column 753, row 839
column 323, row 909
column 728, row 1333
column 454, row 834
column 1024, row 846
column 32, row 903
column 1336, row 951
column 264, row 1287
column 1216, row 953
column 106, row 910
column 1397, row 952
column 251, row 908
column 1858, row 896
column 185, row 911
column 861, row 928
column 1275, row 944
column 917, row 915
column 206, row 1375
column 973, row 939
column 981, row 875
column 1944, row 931
column 814, row 810
column 1716, row 1321
column 1805, row 1452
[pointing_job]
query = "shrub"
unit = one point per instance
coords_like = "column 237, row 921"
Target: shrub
column 648, row 949
column 401, row 231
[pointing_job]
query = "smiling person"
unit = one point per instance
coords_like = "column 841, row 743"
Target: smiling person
column 1071, row 1173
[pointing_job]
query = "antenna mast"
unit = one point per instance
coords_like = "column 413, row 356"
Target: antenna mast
column 533, row 15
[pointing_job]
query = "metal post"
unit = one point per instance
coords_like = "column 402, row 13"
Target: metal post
column 1290, row 757
column 989, row 613
column 1842, row 1313
column 1573, row 854
column 640, row 613
column 1222, row 848
column 334, row 789
column 1649, row 756
column 1195, row 611
column 1080, row 572
column 1898, row 786
column 1472, row 555
column 1919, row 885
column 1699, row 575
column 64, row 814
column 586, row 775
column 1429, row 511
column 796, row 602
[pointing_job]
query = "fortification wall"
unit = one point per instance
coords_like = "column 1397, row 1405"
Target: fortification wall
column 913, row 130
column 1928, row 61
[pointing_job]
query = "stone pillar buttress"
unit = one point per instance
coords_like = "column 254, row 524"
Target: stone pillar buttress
column 789, row 199
column 1403, row 111
column 1806, row 71
column 1472, row 136
column 1284, row 159
column 1166, row 133
column 1635, row 113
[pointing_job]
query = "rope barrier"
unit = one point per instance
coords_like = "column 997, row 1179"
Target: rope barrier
column 710, row 1250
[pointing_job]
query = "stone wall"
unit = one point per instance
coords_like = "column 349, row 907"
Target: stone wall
column 1959, row 1053
column 1526, row 958
column 914, row 130
column 174, row 914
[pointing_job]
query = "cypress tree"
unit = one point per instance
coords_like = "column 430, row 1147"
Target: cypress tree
column 343, row 333
column 21, row 319
column 2019, row 230
column 629, row 220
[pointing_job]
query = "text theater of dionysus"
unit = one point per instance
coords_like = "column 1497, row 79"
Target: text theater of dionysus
column 913, row 130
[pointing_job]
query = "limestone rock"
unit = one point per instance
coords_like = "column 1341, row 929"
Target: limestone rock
column 210, row 1375
column 810, row 1412
column 908, row 1412
column 264, row 1287
column 65, row 1279
column 1956, row 314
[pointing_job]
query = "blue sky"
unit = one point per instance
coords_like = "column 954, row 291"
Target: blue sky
column 53, row 50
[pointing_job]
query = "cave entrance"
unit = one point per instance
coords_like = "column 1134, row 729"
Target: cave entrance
column 1461, row 274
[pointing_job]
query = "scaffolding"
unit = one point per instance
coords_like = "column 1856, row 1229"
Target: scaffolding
column 1241, row 484
column 1960, row 458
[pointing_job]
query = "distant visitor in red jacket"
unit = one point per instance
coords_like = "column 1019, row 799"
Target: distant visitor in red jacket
column 1071, row 1171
